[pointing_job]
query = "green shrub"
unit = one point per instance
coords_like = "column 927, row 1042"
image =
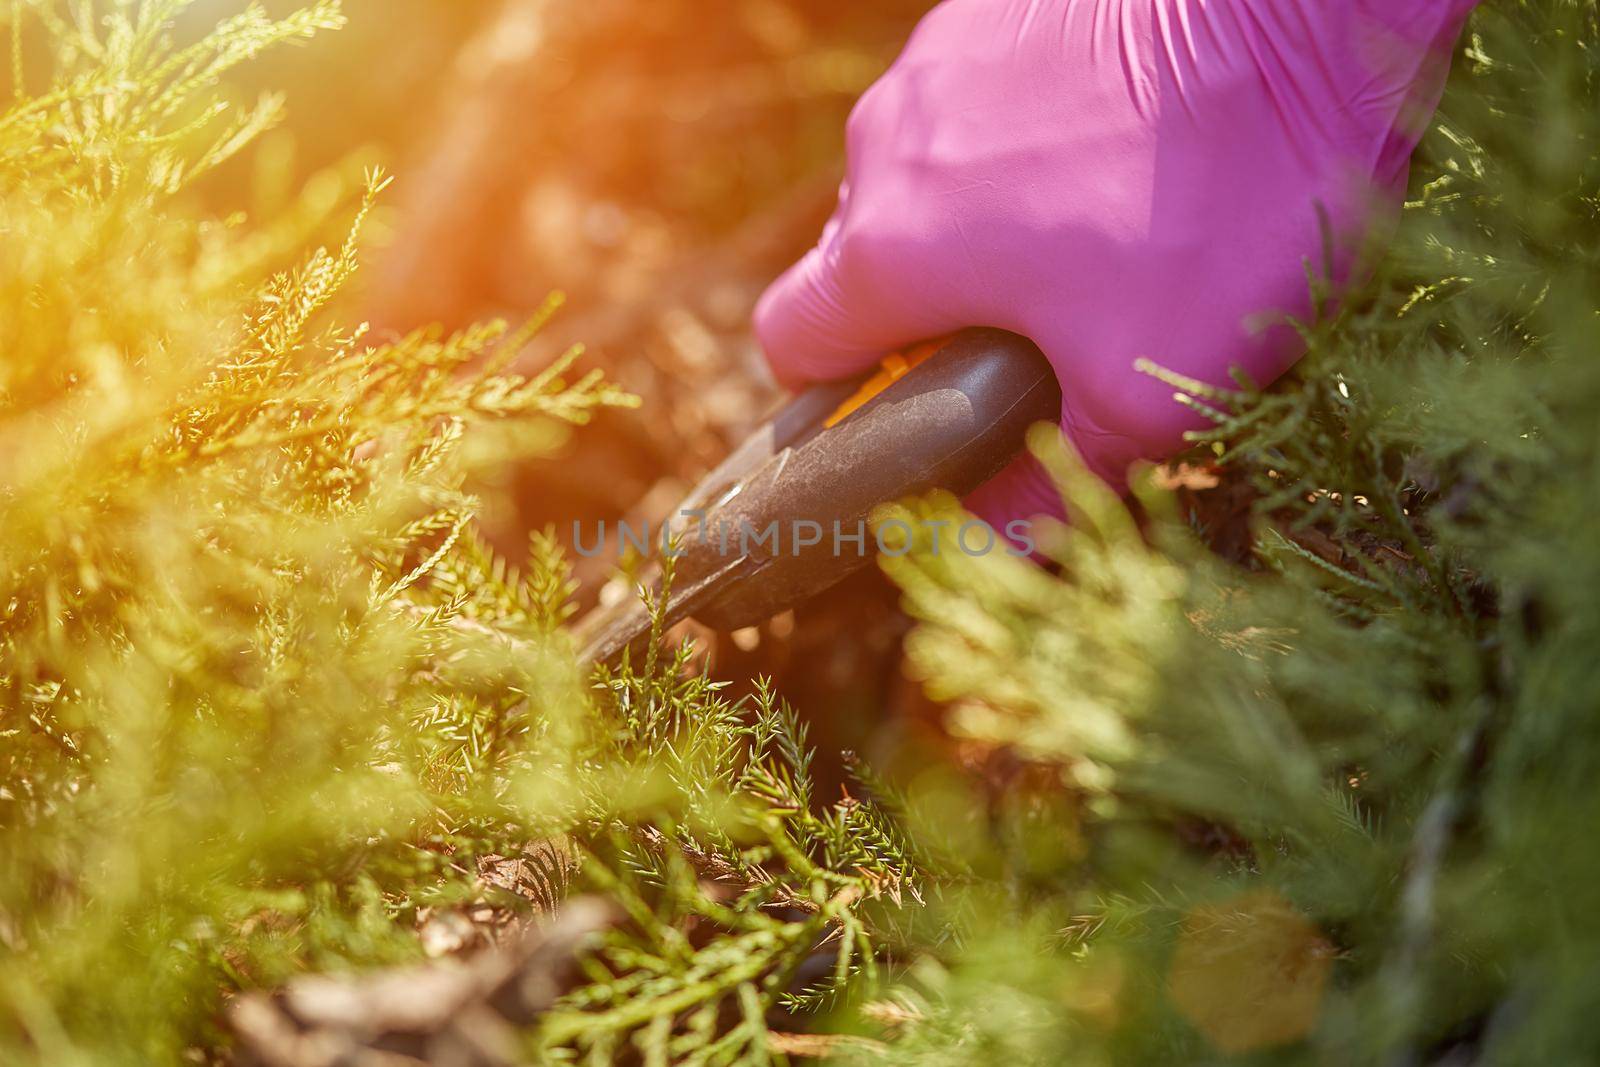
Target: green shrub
column 1383, row 726
column 255, row 674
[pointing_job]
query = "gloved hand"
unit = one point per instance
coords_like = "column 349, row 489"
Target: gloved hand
column 1114, row 179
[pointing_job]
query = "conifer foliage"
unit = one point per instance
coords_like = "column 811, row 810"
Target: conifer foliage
column 253, row 661
column 1313, row 788
column 1334, row 798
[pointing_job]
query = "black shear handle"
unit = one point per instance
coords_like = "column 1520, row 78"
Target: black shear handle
column 947, row 415
column 952, row 420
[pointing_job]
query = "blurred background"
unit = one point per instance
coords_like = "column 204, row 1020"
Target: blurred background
column 659, row 161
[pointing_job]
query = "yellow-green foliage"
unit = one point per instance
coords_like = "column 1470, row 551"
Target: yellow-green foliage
column 263, row 692
column 236, row 570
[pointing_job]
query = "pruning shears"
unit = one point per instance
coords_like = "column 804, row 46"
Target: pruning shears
column 784, row 516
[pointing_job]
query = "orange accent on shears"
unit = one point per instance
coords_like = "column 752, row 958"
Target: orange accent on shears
column 893, row 367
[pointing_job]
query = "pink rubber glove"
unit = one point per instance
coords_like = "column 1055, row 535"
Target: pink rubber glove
column 1114, row 179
